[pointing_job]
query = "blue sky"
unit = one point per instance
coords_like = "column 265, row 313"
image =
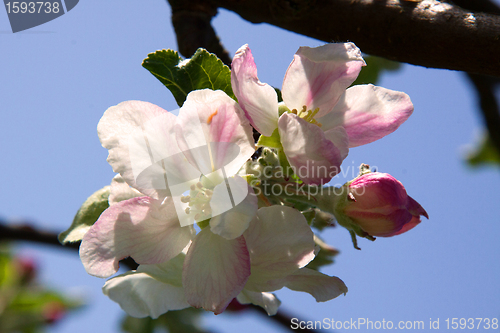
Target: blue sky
column 57, row 80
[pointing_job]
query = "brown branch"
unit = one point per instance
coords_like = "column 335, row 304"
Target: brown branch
column 25, row 232
column 191, row 20
column 425, row 33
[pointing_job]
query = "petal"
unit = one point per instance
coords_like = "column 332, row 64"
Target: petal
column 313, row 156
column 139, row 136
column 415, row 208
column 317, row 77
column 215, row 271
column 415, row 220
column 121, row 191
column 140, row 228
column 369, row 113
column 234, row 205
column 279, row 241
column 322, row 287
column 338, row 136
column 258, row 100
column 267, row 301
column 213, row 132
column 151, row 291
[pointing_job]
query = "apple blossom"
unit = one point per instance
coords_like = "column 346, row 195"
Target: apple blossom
column 320, row 120
column 199, row 151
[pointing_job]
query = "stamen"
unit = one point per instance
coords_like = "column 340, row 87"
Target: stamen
column 304, row 109
column 308, row 115
column 209, row 120
column 314, row 112
column 187, row 210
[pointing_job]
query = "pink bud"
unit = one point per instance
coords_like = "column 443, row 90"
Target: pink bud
column 379, row 205
column 53, row 312
column 27, row 269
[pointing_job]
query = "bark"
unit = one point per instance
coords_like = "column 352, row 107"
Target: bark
column 427, row 33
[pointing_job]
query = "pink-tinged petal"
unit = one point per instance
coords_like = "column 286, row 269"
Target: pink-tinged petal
column 213, row 132
column 313, row 156
column 215, row 270
column 415, row 220
column 267, row 301
column 139, row 136
column 369, row 113
column 258, row 100
column 141, row 228
column 415, row 208
column 322, row 287
column 317, row 77
column 338, row 136
column 233, row 207
column 120, row 191
column 280, row 241
column 150, row 291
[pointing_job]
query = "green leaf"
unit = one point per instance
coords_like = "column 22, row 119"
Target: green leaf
column 86, row 216
column 483, row 154
column 204, row 70
column 375, row 66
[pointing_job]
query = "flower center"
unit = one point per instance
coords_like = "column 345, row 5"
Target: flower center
column 307, row 115
column 199, row 202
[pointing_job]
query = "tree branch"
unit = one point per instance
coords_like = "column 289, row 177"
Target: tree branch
column 191, row 20
column 426, row 33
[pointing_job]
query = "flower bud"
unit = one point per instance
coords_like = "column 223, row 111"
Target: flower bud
column 376, row 204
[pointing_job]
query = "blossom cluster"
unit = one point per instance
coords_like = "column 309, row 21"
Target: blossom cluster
column 189, row 203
